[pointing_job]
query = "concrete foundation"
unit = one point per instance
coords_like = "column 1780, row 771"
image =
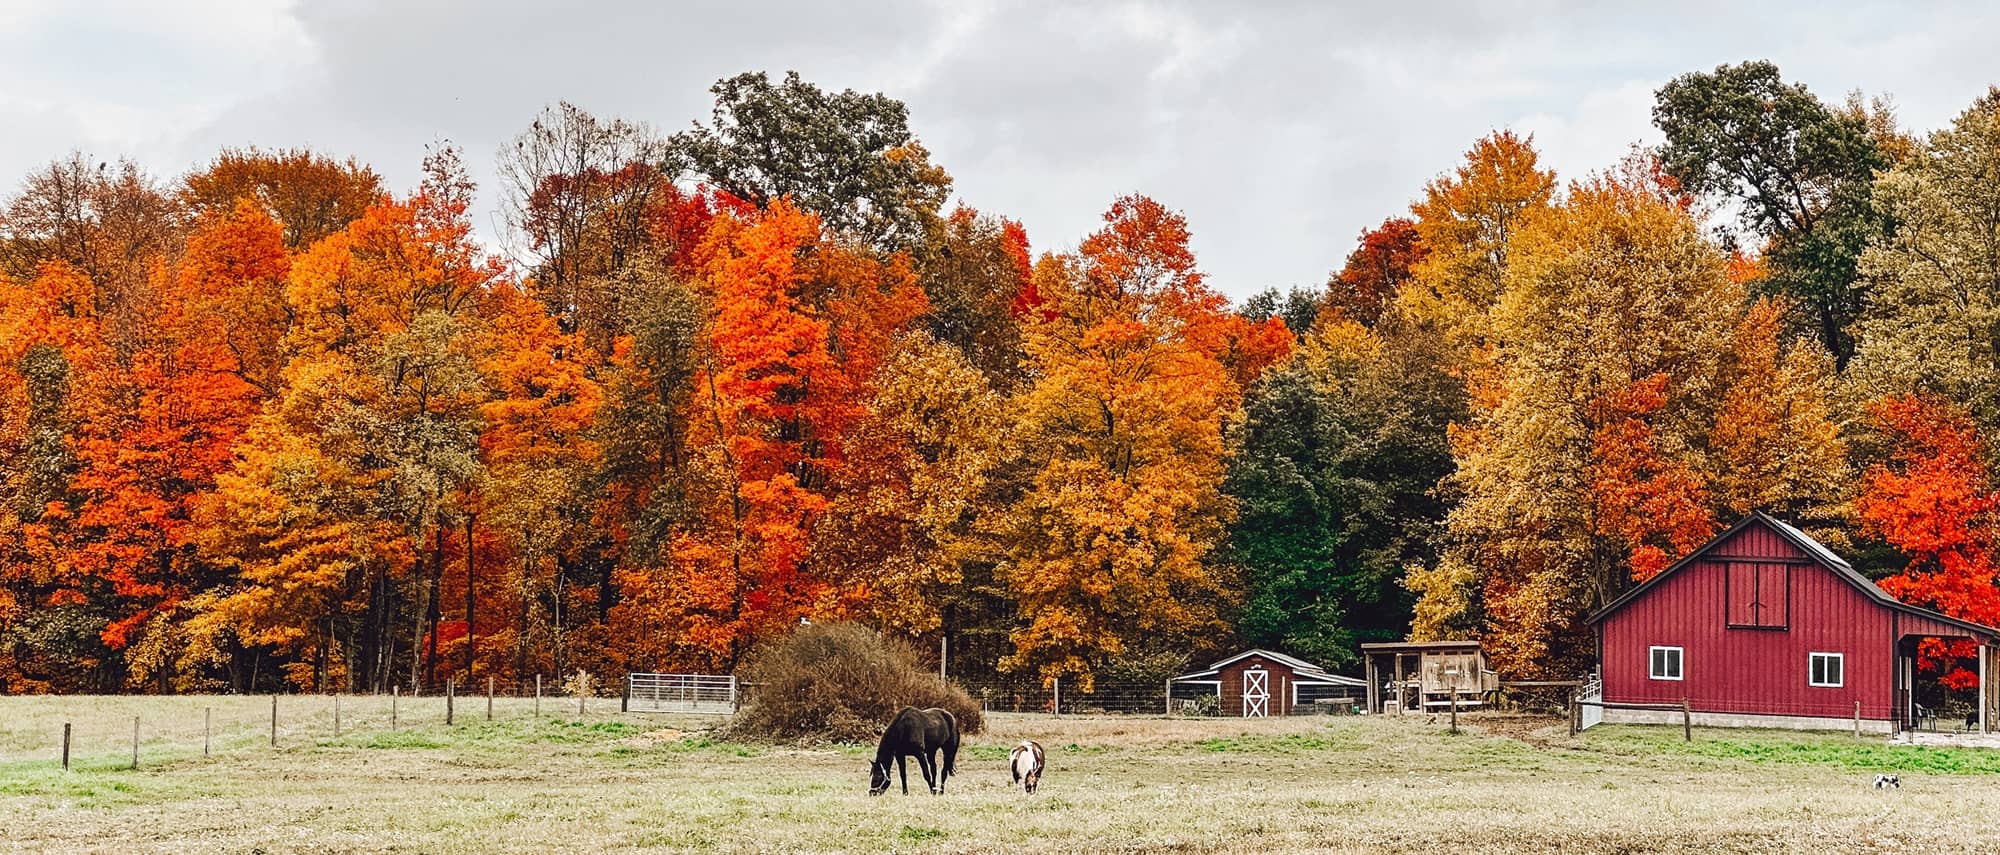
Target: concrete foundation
column 1778, row 722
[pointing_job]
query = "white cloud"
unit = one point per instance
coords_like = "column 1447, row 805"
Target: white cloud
column 1282, row 129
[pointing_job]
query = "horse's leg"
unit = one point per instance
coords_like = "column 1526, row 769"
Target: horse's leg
column 928, row 767
column 903, row 765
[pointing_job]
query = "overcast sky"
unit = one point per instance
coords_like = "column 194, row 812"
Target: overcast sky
column 1281, row 129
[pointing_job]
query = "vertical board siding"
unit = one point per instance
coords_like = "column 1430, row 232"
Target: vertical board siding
column 1230, row 701
column 1755, row 670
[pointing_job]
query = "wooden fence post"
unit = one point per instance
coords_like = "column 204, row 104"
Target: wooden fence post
column 450, row 694
column 1687, row 721
column 489, row 697
column 582, row 693
column 65, row 746
column 1058, row 699
column 274, row 721
column 1167, row 708
column 538, row 696
column 395, row 694
column 336, row 713
column 135, row 742
column 1454, row 710
column 625, row 695
column 1857, row 719
column 207, row 729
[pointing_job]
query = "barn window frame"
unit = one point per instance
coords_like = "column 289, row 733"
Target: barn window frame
column 1826, row 670
column 1656, row 663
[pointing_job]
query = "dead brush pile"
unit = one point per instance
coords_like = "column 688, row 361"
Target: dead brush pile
column 840, row 682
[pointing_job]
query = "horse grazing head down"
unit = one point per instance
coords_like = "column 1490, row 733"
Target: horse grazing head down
column 878, row 778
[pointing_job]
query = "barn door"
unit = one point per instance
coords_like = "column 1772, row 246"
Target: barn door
column 1256, row 693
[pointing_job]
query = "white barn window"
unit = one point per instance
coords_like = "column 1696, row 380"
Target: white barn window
column 1825, row 669
column 1666, row 663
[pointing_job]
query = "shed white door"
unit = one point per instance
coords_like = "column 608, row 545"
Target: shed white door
column 1256, row 693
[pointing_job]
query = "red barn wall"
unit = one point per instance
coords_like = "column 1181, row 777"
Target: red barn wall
column 1754, row 671
column 1231, row 675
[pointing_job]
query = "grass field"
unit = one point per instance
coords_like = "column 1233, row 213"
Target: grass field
column 610, row 782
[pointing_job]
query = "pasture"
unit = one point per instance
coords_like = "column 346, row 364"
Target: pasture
column 610, row 782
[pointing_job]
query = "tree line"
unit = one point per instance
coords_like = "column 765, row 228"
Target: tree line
column 272, row 425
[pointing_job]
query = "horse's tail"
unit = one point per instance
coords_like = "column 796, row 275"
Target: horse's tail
column 951, row 745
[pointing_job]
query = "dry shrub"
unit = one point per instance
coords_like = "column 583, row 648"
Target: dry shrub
column 840, row 682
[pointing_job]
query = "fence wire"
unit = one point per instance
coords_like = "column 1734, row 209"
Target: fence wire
column 103, row 731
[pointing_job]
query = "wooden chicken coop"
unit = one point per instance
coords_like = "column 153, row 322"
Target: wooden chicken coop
column 1412, row 676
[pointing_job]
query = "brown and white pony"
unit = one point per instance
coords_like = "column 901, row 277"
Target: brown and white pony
column 1026, row 761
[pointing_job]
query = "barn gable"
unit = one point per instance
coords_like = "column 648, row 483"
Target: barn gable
column 1806, row 549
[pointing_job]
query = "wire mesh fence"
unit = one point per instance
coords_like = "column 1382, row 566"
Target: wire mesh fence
column 121, row 731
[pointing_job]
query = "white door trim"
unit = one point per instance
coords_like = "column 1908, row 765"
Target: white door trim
column 1256, row 693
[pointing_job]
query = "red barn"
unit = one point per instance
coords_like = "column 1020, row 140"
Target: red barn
column 1766, row 627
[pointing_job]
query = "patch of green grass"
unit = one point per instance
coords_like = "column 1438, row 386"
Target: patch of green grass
column 983, row 752
column 1784, row 747
column 915, row 834
column 1287, row 744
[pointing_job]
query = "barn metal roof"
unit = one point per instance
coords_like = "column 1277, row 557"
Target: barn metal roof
column 1811, row 547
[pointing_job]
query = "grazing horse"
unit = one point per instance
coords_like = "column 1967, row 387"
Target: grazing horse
column 1026, row 761
column 922, row 734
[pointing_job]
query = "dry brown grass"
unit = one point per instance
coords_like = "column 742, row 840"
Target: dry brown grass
column 1125, row 784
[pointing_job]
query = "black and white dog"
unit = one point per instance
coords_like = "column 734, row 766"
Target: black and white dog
column 1885, row 781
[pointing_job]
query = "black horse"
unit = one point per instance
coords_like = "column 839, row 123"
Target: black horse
column 921, row 734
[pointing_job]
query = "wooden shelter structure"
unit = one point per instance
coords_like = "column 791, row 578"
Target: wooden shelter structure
column 1407, row 676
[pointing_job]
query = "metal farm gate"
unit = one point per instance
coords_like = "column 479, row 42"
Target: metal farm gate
column 682, row 693
column 1590, row 701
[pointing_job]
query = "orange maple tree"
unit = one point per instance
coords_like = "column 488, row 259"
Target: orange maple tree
column 1934, row 501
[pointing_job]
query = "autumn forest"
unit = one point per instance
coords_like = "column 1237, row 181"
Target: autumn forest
column 274, row 426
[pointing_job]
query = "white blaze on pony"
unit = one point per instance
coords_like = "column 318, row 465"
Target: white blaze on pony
column 1026, row 762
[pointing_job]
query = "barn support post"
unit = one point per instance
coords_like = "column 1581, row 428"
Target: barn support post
column 1982, row 689
column 1373, row 689
column 1400, row 708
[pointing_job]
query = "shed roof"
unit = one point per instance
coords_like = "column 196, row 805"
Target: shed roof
column 1418, row 646
column 1818, row 552
column 1306, row 671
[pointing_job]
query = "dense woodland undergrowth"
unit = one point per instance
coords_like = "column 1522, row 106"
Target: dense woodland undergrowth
column 272, row 424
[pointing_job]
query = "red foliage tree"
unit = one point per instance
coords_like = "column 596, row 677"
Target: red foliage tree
column 1935, row 502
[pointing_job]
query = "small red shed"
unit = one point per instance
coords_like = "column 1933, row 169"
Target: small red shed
column 1766, row 627
column 1262, row 683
